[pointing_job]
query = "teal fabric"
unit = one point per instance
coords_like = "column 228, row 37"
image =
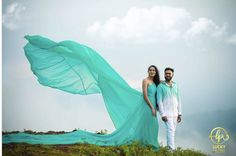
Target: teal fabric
column 165, row 91
column 78, row 69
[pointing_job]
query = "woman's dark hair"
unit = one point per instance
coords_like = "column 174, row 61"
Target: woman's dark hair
column 156, row 78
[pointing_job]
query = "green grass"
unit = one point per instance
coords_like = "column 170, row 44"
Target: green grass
column 135, row 149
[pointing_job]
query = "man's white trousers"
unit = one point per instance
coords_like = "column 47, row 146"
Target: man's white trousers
column 170, row 131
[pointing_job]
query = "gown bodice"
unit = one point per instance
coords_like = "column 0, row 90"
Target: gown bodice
column 151, row 92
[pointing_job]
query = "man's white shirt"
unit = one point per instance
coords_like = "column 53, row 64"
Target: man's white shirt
column 168, row 99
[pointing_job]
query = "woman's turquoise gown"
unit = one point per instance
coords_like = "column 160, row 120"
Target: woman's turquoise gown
column 78, row 69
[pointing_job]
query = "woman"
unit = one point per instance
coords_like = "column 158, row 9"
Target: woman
column 78, row 69
column 149, row 92
column 153, row 78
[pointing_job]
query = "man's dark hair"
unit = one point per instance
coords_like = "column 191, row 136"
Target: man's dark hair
column 171, row 69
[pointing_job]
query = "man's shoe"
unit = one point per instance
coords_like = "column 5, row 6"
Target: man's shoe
column 171, row 149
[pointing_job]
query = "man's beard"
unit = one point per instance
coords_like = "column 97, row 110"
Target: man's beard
column 168, row 78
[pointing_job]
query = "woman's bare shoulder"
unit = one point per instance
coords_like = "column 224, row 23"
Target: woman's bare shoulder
column 145, row 80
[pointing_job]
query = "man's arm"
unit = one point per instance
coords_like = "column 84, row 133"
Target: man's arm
column 179, row 107
column 159, row 100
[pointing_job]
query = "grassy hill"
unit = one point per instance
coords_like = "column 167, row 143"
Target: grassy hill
column 202, row 123
column 135, row 149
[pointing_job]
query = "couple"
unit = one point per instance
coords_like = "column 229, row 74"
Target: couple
column 78, row 69
column 163, row 96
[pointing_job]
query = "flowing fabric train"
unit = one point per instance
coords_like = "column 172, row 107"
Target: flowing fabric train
column 78, row 69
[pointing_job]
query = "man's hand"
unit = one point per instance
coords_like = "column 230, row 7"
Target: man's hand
column 164, row 118
column 179, row 118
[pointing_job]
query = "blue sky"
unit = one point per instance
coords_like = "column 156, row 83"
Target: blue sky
column 196, row 38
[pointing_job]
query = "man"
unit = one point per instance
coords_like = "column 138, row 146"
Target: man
column 169, row 103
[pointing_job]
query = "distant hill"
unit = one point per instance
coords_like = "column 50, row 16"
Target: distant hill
column 196, row 129
column 205, row 122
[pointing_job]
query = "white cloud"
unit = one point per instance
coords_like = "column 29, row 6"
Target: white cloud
column 232, row 39
column 12, row 16
column 205, row 26
column 140, row 24
column 157, row 24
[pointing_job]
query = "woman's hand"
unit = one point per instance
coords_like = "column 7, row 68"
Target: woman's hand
column 154, row 111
